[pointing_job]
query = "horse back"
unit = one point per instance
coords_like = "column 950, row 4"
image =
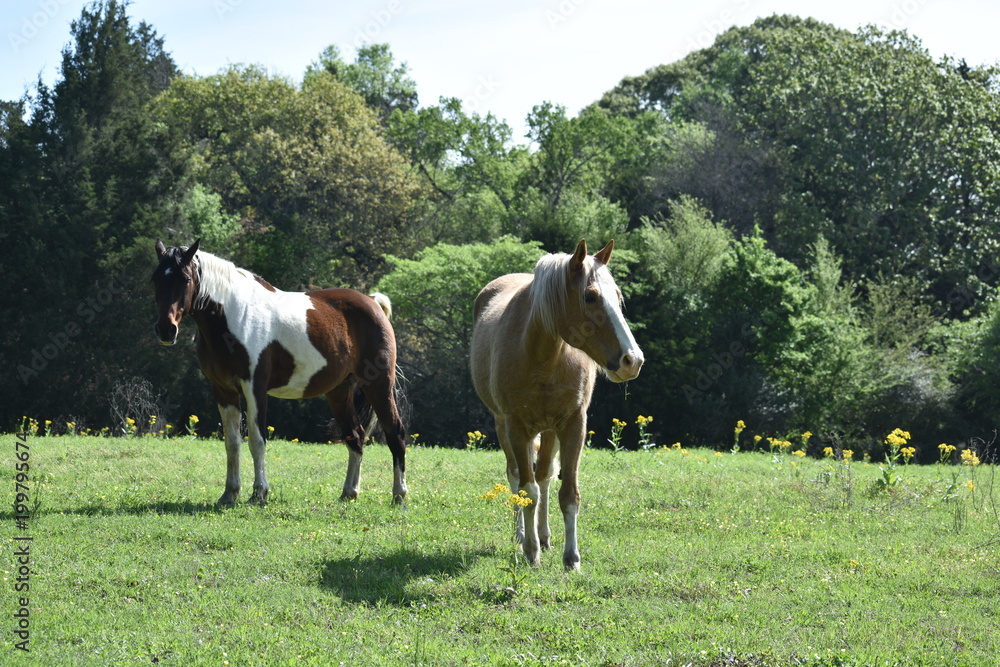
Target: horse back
column 500, row 313
column 350, row 327
column 498, row 293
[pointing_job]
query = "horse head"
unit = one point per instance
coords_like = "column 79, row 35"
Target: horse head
column 175, row 282
column 595, row 322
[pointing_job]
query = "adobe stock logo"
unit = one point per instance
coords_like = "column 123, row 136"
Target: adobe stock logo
column 728, row 14
column 562, row 12
column 379, row 21
column 722, row 363
column 35, row 23
column 56, row 342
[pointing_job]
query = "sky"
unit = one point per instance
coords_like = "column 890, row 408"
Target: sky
column 499, row 57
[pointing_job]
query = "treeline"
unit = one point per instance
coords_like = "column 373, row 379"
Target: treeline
column 805, row 222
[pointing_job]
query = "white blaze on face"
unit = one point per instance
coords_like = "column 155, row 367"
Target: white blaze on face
column 631, row 358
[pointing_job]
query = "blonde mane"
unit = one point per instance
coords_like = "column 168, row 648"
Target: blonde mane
column 549, row 289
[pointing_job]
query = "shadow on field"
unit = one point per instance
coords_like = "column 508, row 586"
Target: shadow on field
column 183, row 507
column 395, row 578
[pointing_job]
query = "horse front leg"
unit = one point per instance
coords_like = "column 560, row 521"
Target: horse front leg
column 257, row 427
column 519, row 444
column 233, row 437
column 571, row 439
column 546, row 468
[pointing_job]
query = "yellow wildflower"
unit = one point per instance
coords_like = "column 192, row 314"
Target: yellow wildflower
column 519, row 500
column 897, row 438
column 969, row 458
column 497, row 490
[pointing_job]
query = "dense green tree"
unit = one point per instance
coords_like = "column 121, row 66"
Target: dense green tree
column 562, row 191
column 89, row 179
column 320, row 195
column 861, row 138
column 374, row 74
column 470, row 166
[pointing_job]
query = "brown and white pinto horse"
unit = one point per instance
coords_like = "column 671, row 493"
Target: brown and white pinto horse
column 255, row 340
column 537, row 343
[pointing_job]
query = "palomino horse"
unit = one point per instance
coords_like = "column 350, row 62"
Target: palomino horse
column 537, row 343
column 255, row 340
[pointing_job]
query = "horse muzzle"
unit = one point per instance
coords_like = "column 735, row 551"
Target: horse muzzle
column 166, row 333
column 628, row 366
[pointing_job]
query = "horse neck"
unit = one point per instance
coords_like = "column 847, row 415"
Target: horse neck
column 207, row 308
column 545, row 348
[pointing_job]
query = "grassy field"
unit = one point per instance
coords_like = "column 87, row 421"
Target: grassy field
column 689, row 557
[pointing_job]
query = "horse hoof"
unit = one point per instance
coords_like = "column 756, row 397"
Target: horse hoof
column 533, row 557
column 571, row 562
column 543, row 543
column 227, row 499
column 259, row 497
column 347, row 497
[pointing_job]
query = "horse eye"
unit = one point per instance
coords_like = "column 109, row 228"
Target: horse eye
column 591, row 296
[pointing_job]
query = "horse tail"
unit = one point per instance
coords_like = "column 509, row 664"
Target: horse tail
column 383, row 302
column 364, row 409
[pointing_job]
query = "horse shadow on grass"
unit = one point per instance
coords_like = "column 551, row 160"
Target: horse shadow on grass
column 400, row 578
column 182, row 507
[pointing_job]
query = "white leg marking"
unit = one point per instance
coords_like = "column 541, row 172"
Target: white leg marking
column 258, row 447
column 530, row 542
column 399, row 489
column 352, row 483
column 542, row 514
column 571, row 552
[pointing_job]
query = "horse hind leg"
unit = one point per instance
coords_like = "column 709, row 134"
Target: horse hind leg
column 382, row 400
column 342, row 407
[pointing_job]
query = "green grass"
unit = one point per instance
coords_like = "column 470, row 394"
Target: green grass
column 688, row 558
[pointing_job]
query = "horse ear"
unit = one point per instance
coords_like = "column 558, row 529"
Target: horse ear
column 189, row 255
column 604, row 254
column 161, row 249
column 581, row 254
